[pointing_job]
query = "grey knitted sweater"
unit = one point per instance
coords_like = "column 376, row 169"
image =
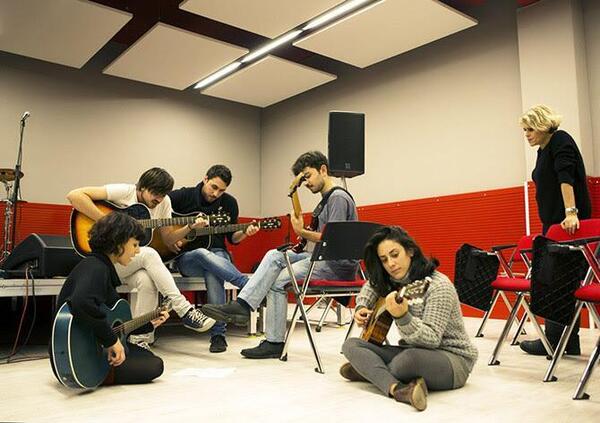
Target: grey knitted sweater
column 435, row 323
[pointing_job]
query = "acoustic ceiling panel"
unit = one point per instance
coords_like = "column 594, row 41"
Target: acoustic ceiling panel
column 270, row 18
column 268, row 81
column 173, row 57
column 386, row 29
column 68, row 32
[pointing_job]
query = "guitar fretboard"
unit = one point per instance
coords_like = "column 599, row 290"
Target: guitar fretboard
column 137, row 322
column 157, row 223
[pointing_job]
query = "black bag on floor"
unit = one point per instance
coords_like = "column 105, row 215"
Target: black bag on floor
column 554, row 278
column 473, row 276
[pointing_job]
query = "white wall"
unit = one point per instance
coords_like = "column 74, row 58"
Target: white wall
column 441, row 119
column 591, row 25
column 89, row 129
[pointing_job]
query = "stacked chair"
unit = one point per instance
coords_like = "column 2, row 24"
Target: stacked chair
column 507, row 280
column 566, row 277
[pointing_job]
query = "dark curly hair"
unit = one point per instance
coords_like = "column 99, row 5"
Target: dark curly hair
column 220, row 171
column 314, row 159
column 420, row 266
column 110, row 233
column 156, row 180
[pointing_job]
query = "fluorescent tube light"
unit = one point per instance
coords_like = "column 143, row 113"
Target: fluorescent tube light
column 272, row 45
column 334, row 13
column 218, row 74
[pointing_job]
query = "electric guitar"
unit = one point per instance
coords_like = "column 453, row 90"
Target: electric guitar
column 79, row 359
column 81, row 224
column 202, row 238
column 381, row 320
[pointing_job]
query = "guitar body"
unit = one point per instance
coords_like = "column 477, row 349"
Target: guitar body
column 381, row 320
column 79, row 359
column 81, row 224
column 379, row 324
column 191, row 242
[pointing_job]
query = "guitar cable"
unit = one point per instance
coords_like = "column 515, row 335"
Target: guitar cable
column 15, row 350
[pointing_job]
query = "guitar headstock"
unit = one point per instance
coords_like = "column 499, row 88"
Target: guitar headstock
column 414, row 292
column 270, row 223
column 219, row 219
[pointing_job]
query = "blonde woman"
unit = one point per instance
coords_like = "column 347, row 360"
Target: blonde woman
column 561, row 193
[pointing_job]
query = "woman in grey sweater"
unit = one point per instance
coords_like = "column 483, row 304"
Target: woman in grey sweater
column 434, row 350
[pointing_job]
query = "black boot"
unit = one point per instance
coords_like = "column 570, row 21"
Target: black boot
column 232, row 312
column 265, row 349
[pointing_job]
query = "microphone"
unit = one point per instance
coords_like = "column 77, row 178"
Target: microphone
column 25, row 116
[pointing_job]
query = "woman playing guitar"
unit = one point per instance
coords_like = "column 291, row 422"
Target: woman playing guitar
column 92, row 283
column 434, row 352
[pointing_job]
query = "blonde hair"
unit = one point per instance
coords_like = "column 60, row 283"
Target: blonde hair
column 541, row 118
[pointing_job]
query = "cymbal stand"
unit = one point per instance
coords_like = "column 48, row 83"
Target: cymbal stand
column 7, row 234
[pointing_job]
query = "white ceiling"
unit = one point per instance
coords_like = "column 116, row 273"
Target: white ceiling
column 172, row 57
column 268, row 81
column 386, row 29
column 68, row 32
column 71, row 32
column 270, row 18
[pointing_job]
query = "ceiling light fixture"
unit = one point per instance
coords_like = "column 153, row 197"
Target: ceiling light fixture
column 218, row 74
column 334, row 13
column 272, row 45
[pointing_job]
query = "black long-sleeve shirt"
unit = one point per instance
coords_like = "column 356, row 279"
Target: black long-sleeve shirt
column 190, row 200
column 560, row 162
column 90, row 284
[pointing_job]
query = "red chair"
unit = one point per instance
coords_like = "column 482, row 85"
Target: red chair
column 590, row 297
column 519, row 285
column 586, row 240
column 520, row 255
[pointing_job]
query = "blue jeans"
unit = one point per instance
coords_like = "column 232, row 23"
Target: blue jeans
column 270, row 279
column 216, row 267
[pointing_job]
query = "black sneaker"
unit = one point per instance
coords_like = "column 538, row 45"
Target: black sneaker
column 217, row 344
column 232, row 312
column 265, row 349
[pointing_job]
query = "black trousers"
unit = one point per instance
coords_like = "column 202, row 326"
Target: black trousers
column 140, row 366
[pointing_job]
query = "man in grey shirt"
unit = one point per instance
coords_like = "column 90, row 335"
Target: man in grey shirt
column 271, row 276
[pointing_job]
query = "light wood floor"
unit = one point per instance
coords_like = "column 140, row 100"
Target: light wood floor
column 271, row 390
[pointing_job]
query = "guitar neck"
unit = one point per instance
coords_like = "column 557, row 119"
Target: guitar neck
column 171, row 221
column 133, row 324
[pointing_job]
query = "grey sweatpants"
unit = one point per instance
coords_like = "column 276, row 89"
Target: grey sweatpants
column 387, row 365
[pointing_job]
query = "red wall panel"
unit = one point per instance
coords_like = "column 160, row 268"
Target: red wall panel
column 439, row 224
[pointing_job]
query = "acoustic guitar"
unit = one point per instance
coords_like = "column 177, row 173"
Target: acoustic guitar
column 381, row 320
column 81, row 224
column 202, row 238
column 80, row 361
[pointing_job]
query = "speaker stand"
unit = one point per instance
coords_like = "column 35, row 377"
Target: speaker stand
column 344, row 185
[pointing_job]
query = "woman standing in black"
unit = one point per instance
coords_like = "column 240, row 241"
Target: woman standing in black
column 561, row 194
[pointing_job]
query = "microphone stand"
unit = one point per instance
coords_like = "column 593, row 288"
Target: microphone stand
column 17, row 185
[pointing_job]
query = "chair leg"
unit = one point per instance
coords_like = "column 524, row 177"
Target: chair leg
column 562, row 344
column 520, row 330
column 538, row 329
column 589, row 368
column 486, row 316
column 513, row 313
column 294, row 320
column 324, row 315
column 350, row 327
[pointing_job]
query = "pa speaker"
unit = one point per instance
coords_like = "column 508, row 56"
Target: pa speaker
column 346, row 144
column 47, row 255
